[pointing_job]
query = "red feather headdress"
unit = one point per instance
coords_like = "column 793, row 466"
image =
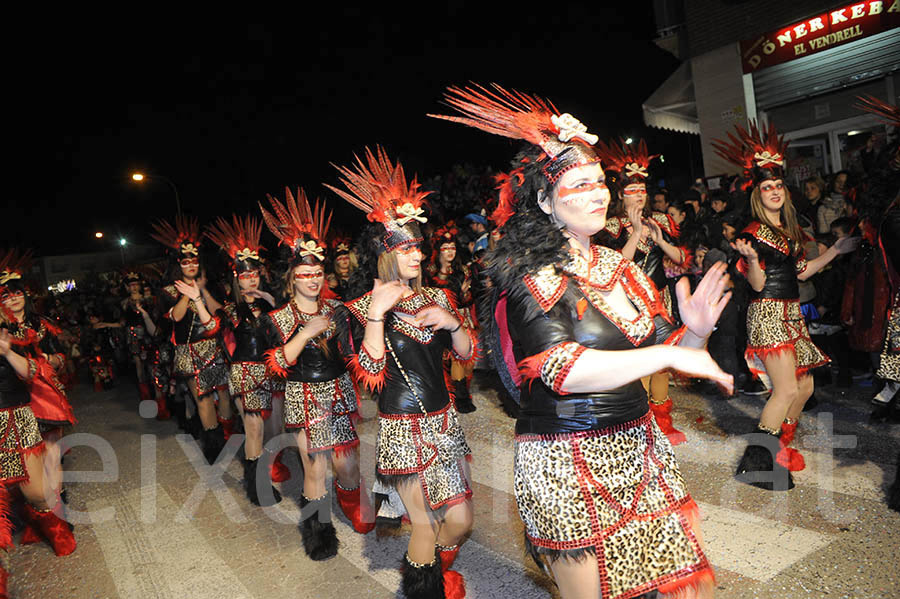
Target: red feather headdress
column 239, row 239
column 184, row 237
column 298, row 226
column 631, row 161
column 445, row 234
column 13, row 266
column 888, row 113
column 340, row 244
column 760, row 153
column 563, row 139
column 379, row 188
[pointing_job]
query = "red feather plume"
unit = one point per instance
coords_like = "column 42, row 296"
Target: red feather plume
column 14, row 262
column 240, row 235
column 378, row 187
column 619, row 156
column 186, row 230
column 888, row 113
column 501, row 112
column 294, row 219
column 747, row 147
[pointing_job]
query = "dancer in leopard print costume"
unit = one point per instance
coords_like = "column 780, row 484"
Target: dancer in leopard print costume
column 575, row 328
column 403, row 333
column 778, row 343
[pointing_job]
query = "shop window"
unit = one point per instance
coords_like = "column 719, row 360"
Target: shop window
column 808, row 157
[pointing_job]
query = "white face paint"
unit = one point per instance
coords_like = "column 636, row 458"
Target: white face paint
column 308, row 280
column 579, row 200
column 409, row 259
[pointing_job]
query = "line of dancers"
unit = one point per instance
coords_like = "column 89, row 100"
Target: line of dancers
column 579, row 319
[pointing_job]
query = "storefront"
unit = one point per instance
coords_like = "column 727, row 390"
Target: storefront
column 804, row 77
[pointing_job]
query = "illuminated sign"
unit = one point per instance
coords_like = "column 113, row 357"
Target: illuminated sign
column 824, row 31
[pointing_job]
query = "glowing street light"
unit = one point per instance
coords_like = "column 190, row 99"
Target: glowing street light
column 98, row 235
column 628, row 141
column 141, row 177
column 123, row 242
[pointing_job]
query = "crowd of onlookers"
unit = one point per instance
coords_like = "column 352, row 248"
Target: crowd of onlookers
column 845, row 305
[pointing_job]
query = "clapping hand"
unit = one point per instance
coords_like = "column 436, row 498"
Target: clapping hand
column 384, row 296
column 437, row 318
column 700, row 310
column 190, row 290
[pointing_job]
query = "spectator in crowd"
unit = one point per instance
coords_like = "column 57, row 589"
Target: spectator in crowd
column 660, row 202
column 834, row 204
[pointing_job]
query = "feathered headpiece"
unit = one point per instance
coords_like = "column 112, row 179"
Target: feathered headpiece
column 298, row 226
column 760, row 153
column 379, row 189
column 13, row 267
column 184, row 238
column 239, row 239
column 340, row 245
column 630, row 161
column 133, row 274
column 563, row 139
column 886, row 112
column 445, row 234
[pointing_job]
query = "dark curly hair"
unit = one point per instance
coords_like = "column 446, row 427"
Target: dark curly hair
column 531, row 240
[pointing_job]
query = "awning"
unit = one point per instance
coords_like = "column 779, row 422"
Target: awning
column 672, row 106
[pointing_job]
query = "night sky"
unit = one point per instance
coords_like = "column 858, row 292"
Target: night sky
column 230, row 112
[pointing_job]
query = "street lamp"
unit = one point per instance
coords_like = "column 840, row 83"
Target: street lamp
column 98, row 235
column 141, row 177
column 628, row 141
column 123, row 242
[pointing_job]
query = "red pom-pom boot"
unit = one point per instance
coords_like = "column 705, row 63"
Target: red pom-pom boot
column 227, row 426
column 662, row 412
column 162, row 410
column 278, row 472
column 52, row 528
column 454, row 585
column 355, row 505
column 789, row 457
column 144, row 390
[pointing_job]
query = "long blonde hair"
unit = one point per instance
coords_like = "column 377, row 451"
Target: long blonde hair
column 790, row 227
column 322, row 342
column 389, row 270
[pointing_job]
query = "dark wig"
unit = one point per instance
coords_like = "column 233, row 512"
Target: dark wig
column 531, row 240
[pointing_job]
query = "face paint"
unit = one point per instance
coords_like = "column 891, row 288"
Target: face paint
column 308, row 275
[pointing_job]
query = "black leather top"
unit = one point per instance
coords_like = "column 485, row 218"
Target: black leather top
column 250, row 333
column 542, row 410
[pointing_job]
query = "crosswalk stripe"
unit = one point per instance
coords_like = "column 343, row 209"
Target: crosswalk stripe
column 147, row 558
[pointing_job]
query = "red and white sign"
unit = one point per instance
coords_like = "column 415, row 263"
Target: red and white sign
column 824, row 31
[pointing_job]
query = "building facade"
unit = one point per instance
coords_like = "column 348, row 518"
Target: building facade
column 799, row 64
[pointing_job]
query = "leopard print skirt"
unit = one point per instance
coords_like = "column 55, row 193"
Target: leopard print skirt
column 326, row 411
column 248, row 381
column 203, row 360
column 430, row 447
column 889, row 367
column 138, row 343
column 616, row 493
column 161, row 366
column 776, row 325
column 19, row 436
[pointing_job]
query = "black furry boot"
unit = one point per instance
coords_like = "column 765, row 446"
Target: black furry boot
column 250, row 482
column 462, row 398
column 180, row 418
column 213, row 440
column 195, row 426
column 758, row 466
column 319, row 538
column 894, row 492
column 422, row 581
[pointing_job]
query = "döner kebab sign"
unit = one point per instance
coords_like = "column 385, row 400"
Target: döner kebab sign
column 824, row 31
